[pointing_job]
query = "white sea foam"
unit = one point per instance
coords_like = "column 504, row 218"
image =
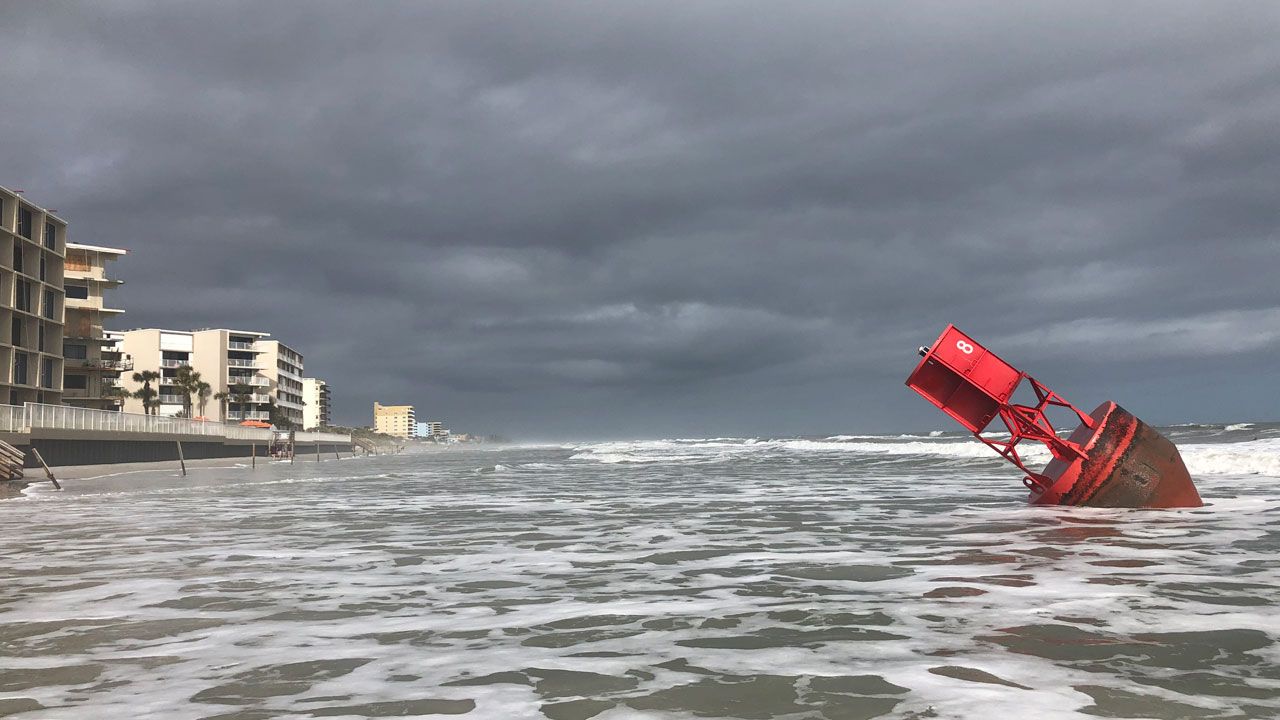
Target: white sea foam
column 785, row 565
column 1256, row 457
column 1253, row 457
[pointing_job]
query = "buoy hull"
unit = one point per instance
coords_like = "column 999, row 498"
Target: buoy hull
column 1128, row 465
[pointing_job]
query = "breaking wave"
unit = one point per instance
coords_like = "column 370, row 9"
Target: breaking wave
column 1252, row 457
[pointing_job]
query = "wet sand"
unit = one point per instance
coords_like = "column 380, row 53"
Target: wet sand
column 72, row 475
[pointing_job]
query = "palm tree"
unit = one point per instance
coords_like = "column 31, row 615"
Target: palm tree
column 149, row 398
column 115, row 392
column 147, row 394
column 222, row 396
column 277, row 416
column 187, row 382
column 203, row 389
column 241, row 393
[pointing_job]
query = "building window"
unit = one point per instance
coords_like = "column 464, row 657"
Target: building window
column 23, row 299
column 44, row 270
column 50, row 236
column 49, row 305
column 17, row 257
column 20, row 368
column 46, row 373
column 24, row 222
column 75, row 382
column 76, row 292
column 16, row 337
column 75, row 352
column 40, row 338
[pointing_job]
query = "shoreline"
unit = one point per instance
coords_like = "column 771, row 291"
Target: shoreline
column 13, row 489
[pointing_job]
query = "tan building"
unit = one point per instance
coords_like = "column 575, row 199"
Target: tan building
column 32, row 252
column 397, row 420
column 227, row 360
column 231, row 359
column 282, row 365
column 92, row 362
column 315, row 404
column 161, row 352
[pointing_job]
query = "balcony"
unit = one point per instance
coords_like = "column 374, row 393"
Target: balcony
column 82, row 328
column 239, row 380
column 290, row 372
column 173, row 399
column 236, row 362
column 236, row 345
column 122, row 365
column 174, row 363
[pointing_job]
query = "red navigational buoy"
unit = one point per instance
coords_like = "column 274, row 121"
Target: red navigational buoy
column 1112, row 459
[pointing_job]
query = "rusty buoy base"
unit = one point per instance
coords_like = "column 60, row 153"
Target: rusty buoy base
column 1129, row 465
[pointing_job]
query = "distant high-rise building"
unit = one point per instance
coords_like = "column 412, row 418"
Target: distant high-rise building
column 315, row 408
column 92, row 361
column 32, row 251
column 396, row 420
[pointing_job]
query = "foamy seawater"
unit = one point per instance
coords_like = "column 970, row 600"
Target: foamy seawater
column 849, row 577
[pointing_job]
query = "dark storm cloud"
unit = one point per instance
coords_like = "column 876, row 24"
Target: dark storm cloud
column 663, row 218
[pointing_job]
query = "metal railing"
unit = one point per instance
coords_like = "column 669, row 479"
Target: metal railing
column 239, row 432
column 173, row 399
column 301, row 436
column 62, row 417
column 237, row 345
column 12, row 418
column 238, row 380
column 173, row 363
column 31, row 416
column 237, row 362
column 103, row 363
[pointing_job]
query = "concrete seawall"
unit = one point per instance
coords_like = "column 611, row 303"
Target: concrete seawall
column 96, row 447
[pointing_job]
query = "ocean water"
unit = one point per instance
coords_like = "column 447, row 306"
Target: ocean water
column 841, row 577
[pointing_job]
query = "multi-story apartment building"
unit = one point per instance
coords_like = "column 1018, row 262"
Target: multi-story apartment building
column 283, row 367
column 234, row 359
column 397, row 420
column 161, row 352
column 432, row 429
column 92, row 362
column 228, row 360
column 316, row 404
column 32, row 251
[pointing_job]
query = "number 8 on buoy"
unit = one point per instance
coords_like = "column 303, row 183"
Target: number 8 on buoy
column 964, row 347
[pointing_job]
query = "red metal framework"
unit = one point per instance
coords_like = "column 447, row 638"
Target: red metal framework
column 1025, row 422
column 974, row 386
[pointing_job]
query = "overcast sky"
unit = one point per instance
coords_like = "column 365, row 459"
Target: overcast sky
column 616, row 219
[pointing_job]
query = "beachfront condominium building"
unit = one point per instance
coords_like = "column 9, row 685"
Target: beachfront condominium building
column 234, row 363
column 315, row 404
column 432, row 429
column 159, row 353
column 396, row 420
column 32, row 251
column 92, row 361
column 238, row 365
column 283, row 367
